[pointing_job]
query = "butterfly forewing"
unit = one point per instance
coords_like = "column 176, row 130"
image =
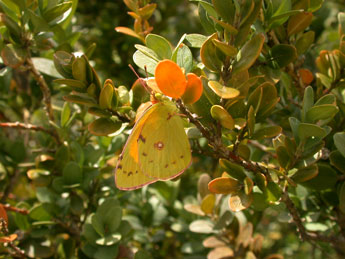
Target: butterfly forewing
column 128, row 175
column 163, row 146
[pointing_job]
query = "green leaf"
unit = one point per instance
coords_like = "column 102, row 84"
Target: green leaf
column 220, row 114
column 224, row 185
column 63, row 63
column 225, row 9
column 106, row 96
column 268, row 132
column 305, row 174
column 72, row 174
column 76, row 84
column 104, row 127
column 322, row 112
column 195, row 40
column 299, row 22
column 248, row 53
column 109, row 240
column 308, row 101
column 201, row 226
column 325, row 179
column 160, row 45
column 273, row 192
column 145, row 62
column 339, row 141
column 209, row 56
column 65, row 114
column 306, row 130
column 56, row 11
column 234, row 170
column 205, row 20
column 337, row 160
column 228, row 50
column 12, row 56
column 79, row 69
column 283, row 54
column 80, row 100
column 304, row 42
column 223, row 91
column 184, row 58
column 283, row 156
column 39, row 213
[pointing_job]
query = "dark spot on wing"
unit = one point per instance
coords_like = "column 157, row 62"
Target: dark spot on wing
column 144, row 154
column 121, row 157
column 174, row 162
column 125, row 172
column 141, row 137
column 169, row 116
column 151, row 161
column 136, row 171
column 182, row 156
column 119, row 167
column 166, row 166
column 129, row 173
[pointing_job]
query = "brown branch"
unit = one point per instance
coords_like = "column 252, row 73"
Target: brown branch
column 14, row 209
column 43, row 86
column 305, row 235
column 19, row 125
column 218, row 147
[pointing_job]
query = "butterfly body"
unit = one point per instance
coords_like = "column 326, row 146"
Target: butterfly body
column 157, row 149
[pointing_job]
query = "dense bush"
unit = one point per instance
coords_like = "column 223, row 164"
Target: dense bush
column 267, row 134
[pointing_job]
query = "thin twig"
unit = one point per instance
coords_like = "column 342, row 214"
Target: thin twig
column 14, row 209
column 304, row 234
column 43, row 86
column 24, row 126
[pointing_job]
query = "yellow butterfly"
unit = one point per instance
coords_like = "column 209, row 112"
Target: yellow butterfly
column 158, row 147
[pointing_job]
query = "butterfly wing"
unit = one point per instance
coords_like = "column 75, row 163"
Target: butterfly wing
column 163, row 147
column 128, row 175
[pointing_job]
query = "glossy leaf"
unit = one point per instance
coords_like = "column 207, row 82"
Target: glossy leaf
column 299, row 22
column 339, row 141
column 209, row 56
column 268, row 132
column 304, row 42
column 305, row 174
column 325, row 179
column 220, row 114
column 201, row 226
column 80, row 100
column 240, row 201
column 103, row 127
column 224, row 185
column 248, row 53
column 322, row 112
column 208, row 203
column 159, row 45
column 337, row 160
column 232, row 169
column 106, row 96
column 223, row 91
column 283, row 54
column 228, row 50
column 195, row 40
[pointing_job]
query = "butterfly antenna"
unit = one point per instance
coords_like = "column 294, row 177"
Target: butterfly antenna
column 142, row 82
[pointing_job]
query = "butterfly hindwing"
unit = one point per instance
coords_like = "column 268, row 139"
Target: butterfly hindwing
column 163, row 146
column 128, row 175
